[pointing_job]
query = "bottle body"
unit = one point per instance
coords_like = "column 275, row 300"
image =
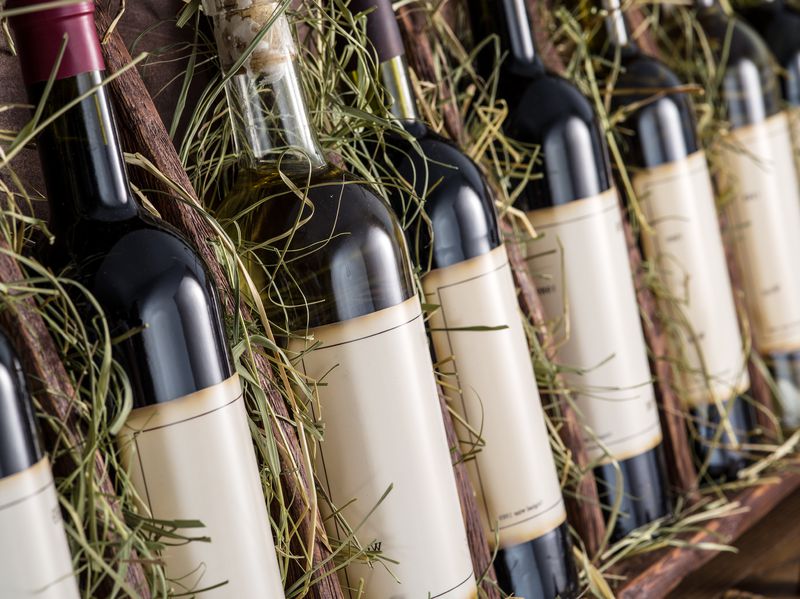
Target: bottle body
column 683, row 244
column 356, row 330
column 764, row 213
column 34, row 555
column 582, row 250
column 159, row 302
column 485, row 362
column 778, row 23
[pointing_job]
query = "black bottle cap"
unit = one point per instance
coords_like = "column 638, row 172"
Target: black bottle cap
column 382, row 28
column 19, row 442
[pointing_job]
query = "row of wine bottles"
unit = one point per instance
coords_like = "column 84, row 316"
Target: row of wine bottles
column 333, row 266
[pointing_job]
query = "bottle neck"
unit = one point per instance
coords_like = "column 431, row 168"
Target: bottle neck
column 617, row 26
column 706, row 4
column 267, row 105
column 81, row 157
column 512, row 22
column 396, row 80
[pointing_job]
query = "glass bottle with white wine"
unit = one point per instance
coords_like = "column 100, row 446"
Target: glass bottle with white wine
column 580, row 265
column 476, row 330
column 330, row 263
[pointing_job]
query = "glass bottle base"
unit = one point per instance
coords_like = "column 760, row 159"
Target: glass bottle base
column 542, row 568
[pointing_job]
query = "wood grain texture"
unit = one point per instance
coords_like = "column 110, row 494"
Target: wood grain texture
column 419, row 52
column 143, row 131
column 653, row 576
column 476, row 535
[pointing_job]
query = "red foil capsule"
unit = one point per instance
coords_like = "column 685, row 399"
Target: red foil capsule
column 41, row 34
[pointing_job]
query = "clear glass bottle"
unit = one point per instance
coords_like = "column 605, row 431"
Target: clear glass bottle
column 332, row 268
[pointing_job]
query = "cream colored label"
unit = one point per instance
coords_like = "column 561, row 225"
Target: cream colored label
column 193, row 459
column 488, row 376
column 685, row 247
column 34, row 556
column 581, row 270
column 383, row 427
column 764, row 220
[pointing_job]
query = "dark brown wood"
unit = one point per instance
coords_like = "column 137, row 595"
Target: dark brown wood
column 419, row 52
column 143, row 131
column 653, row 576
column 583, row 507
column 50, row 385
column 766, row 561
column 476, row 535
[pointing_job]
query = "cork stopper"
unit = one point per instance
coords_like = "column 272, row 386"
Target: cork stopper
column 238, row 22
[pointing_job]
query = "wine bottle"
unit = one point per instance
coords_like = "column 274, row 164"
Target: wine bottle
column 778, row 22
column 764, row 213
column 580, row 264
column 333, row 270
column 682, row 242
column 187, row 441
column 34, row 555
column 488, row 374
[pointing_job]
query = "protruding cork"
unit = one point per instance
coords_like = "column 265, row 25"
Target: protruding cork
column 382, row 28
column 238, row 22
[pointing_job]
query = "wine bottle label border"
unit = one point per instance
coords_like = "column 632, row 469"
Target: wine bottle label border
column 398, row 441
column 491, row 374
column 764, row 217
column 34, row 554
column 193, row 459
column 684, row 246
column 581, row 269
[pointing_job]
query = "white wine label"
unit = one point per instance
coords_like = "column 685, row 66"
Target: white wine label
column 685, row 247
column 489, row 379
column 193, row 459
column 383, row 432
column 34, row 556
column 764, row 220
column 580, row 266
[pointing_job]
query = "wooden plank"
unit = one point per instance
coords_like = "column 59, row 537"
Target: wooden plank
column 767, row 560
column 653, row 576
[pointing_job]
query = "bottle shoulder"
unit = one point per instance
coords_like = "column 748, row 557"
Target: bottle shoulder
column 156, row 293
column 456, row 198
column 643, row 71
column 19, row 439
column 328, row 247
column 543, row 103
column 779, row 26
column 735, row 39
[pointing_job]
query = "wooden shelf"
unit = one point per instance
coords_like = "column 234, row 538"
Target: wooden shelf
column 653, row 576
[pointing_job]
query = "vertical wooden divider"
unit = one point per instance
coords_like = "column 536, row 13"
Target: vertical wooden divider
column 143, row 131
